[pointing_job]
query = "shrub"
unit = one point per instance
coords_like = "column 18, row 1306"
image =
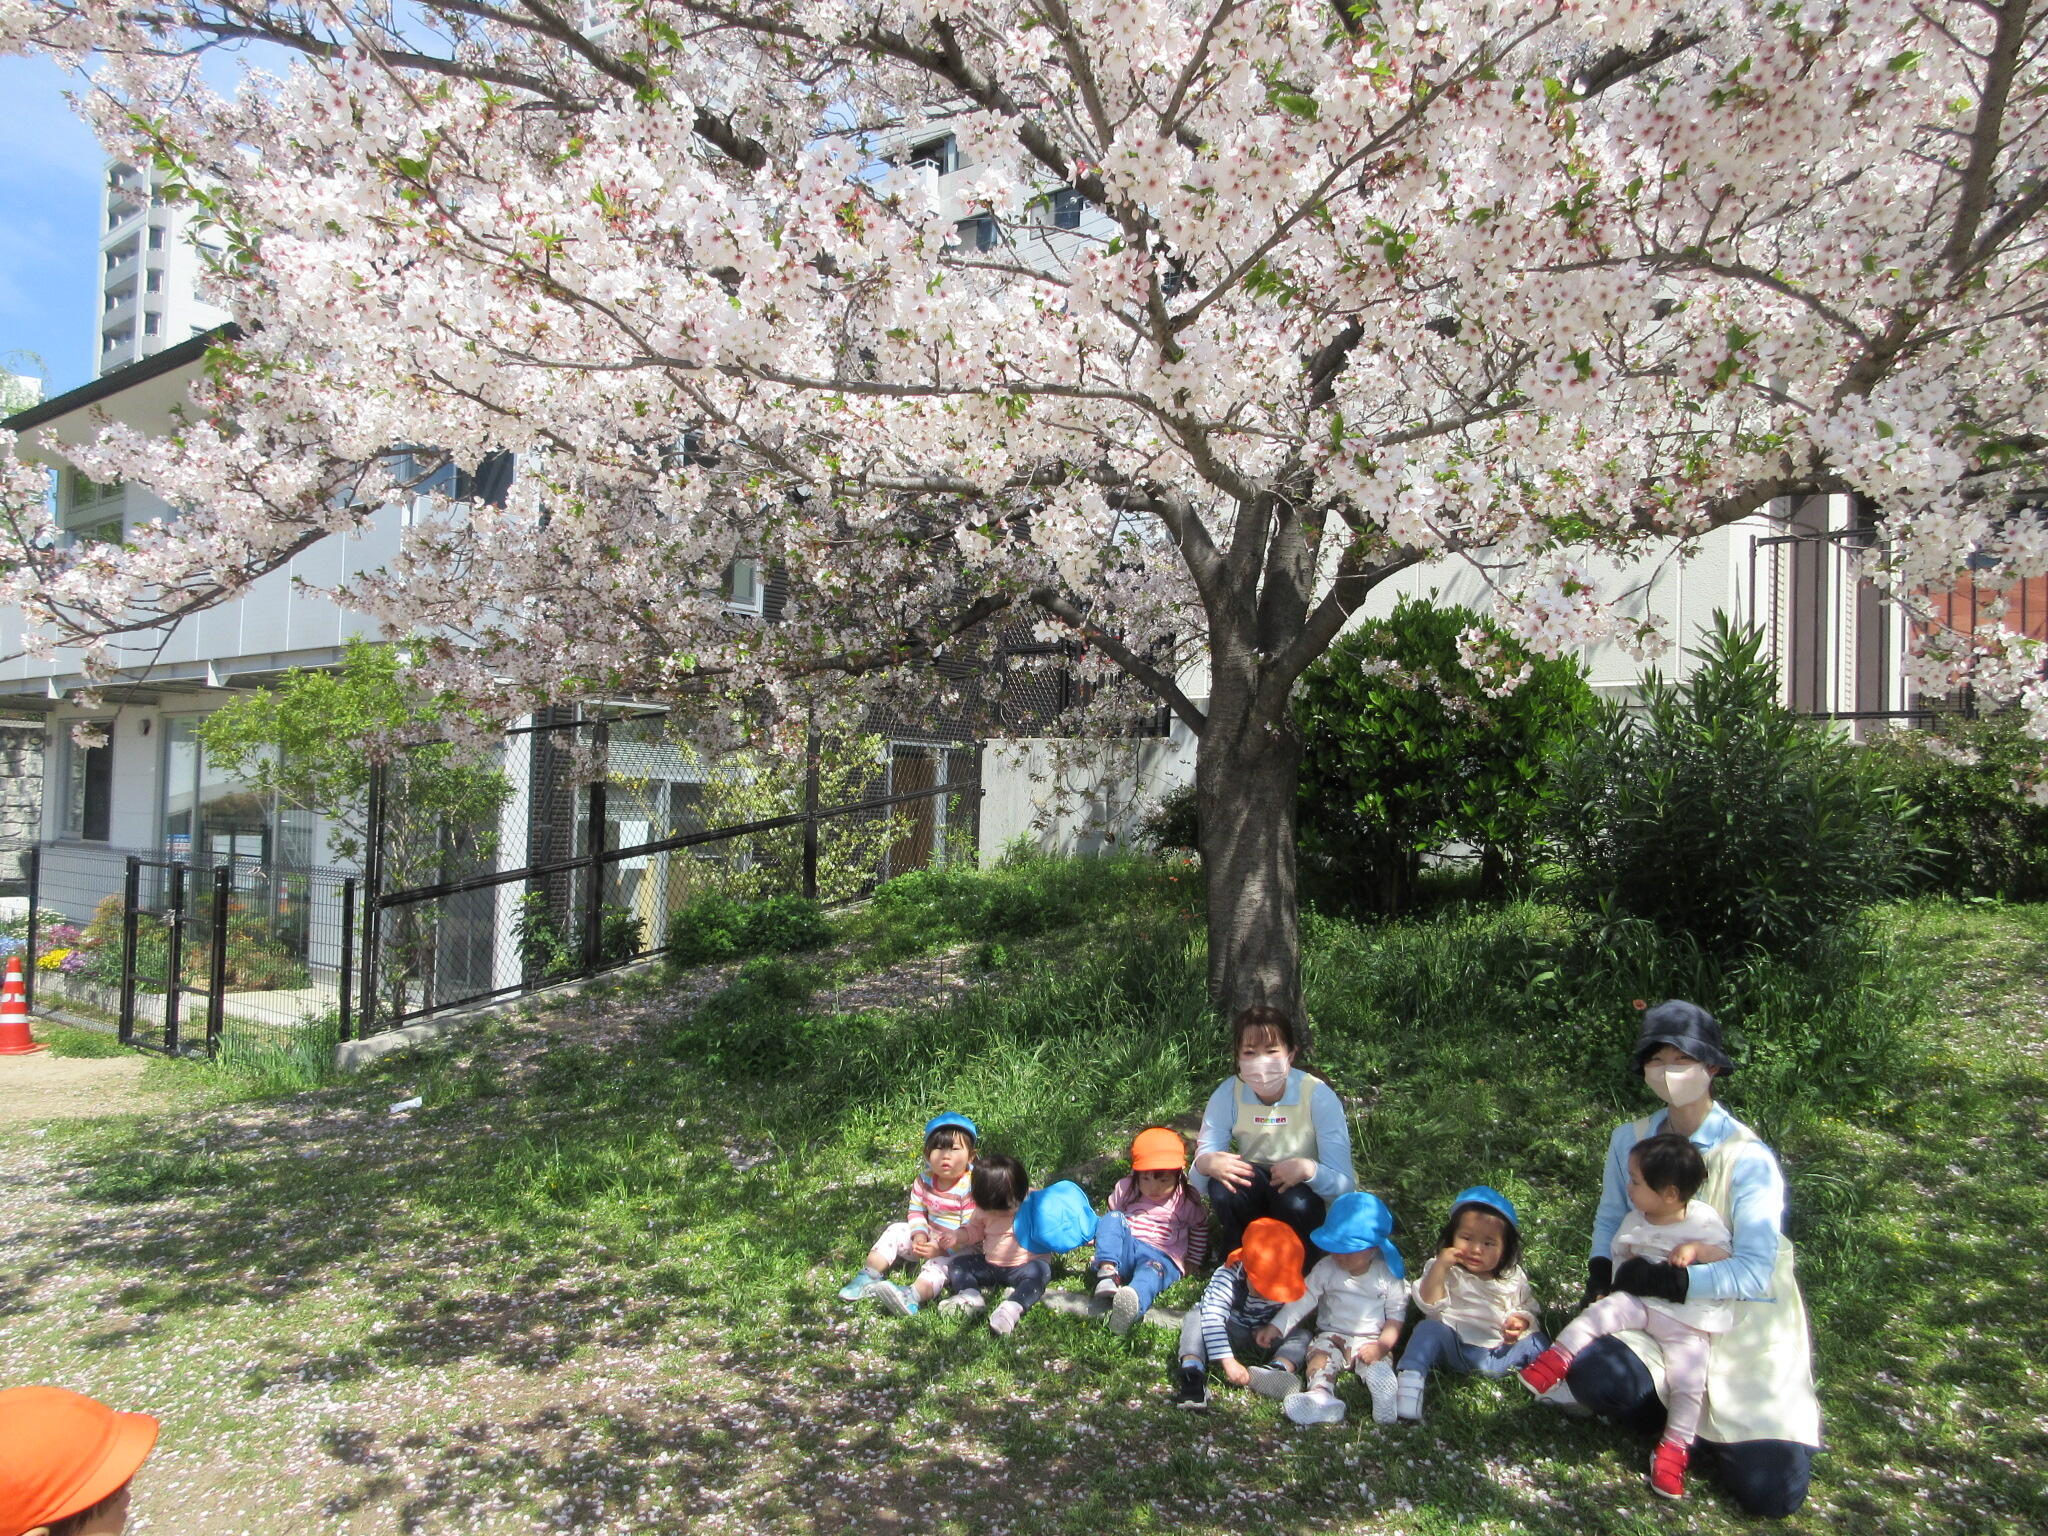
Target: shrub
column 1980, row 797
column 1723, row 817
column 1408, row 749
column 1175, row 822
column 716, row 927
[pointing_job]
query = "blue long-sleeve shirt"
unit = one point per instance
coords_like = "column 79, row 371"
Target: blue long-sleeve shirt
column 1334, row 1173
column 1756, row 1217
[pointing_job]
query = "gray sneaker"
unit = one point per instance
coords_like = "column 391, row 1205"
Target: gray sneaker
column 1124, row 1311
column 1275, row 1381
column 1386, row 1391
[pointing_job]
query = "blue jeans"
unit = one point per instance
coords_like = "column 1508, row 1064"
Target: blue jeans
column 1436, row 1346
column 1763, row 1477
column 1145, row 1269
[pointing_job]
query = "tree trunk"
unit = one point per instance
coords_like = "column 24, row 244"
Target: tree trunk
column 1247, row 774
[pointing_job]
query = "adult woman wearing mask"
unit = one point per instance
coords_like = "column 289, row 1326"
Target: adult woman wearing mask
column 1274, row 1140
column 1761, row 1423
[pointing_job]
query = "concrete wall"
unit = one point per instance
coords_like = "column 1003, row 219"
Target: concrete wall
column 1062, row 796
column 21, row 793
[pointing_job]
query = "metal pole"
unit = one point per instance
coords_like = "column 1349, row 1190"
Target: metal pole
column 174, row 954
column 348, row 937
column 35, row 892
column 373, row 884
column 131, row 897
column 811, row 753
column 217, row 978
column 593, row 848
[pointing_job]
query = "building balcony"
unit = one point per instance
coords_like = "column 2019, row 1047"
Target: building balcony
column 120, row 270
column 122, row 313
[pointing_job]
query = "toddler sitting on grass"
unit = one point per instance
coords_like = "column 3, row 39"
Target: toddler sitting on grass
column 1155, row 1231
column 1359, row 1295
column 1003, row 1259
column 941, row 1203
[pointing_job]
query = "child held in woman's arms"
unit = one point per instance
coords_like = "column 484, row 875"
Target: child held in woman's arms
column 1243, row 1296
column 1003, row 1259
column 1359, row 1295
column 1479, row 1313
column 1665, row 1225
column 941, row 1203
column 1155, row 1231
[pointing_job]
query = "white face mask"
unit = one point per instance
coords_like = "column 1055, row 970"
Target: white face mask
column 1264, row 1075
column 1678, row 1086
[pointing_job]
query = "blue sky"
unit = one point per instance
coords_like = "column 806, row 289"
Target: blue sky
column 49, row 225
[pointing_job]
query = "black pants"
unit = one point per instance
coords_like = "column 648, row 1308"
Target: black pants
column 1764, row 1477
column 1235, row 1209
column 972, row 1272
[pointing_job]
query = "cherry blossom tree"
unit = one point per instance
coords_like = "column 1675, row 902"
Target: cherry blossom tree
column 1372, row 285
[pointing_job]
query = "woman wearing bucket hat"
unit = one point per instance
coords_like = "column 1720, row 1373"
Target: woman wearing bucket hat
column 1761, row 1424
column 1274, row 1140
column 66, row 1462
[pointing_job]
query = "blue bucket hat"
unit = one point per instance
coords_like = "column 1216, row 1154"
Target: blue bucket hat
column 1687, row 1026
column 941, row 1122
column 1055, row 1219
column 1486, row 1195
column 1356, row 1222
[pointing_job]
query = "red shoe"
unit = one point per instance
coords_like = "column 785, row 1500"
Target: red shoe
column 1545, row 1371
column 1667, row 1469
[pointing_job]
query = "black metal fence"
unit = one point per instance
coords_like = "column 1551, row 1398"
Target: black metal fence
column 565, row 851
column 604, row 832
column 175, row 955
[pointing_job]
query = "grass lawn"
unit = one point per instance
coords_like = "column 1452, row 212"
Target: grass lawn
column 589, row 1286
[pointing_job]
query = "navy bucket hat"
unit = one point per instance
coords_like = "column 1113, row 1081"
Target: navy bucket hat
column 1687, row 1026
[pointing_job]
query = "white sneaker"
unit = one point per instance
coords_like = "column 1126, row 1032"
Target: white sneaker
column 964, row 1304
column 1560, row 1397
column 1318, row 1405
column 1411, row 1396
column 1003, row 1321
column 895, row 1299
column 1386, row 1391
column 1124, row 1310
column 1275, row 1381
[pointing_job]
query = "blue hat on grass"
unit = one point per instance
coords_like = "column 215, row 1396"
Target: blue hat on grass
column 941, row 1122
column 1356, row 1222
column 1055, row 1219
column 1492, row 1199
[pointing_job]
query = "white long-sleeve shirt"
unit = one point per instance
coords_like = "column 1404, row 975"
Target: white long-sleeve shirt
column 1638, row 1238
column 1475, row 1306
column 1348, row 1304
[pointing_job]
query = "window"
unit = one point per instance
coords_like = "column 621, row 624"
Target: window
column 1067, row 206
column 156, row 237
column 155, row 282
column 212, row 817
column 89, row 786
column 978, row 233
column 106, row 532
column 942, row 154
column 743, row 586
column 152, row 324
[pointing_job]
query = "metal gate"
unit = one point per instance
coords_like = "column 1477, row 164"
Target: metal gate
column 172, row 920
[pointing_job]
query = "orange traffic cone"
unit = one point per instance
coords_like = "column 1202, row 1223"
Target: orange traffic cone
column 14, row 1038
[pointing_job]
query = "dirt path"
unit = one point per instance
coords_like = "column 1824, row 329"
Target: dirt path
column 48, row 1087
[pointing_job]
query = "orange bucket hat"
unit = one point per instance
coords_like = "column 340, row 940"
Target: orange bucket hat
column 62, row 1452
column 1158, row 1150
column 1272, row 1256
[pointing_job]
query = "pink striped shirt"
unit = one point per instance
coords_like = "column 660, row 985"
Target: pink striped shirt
column 1177, row 1226
column 940, row 1211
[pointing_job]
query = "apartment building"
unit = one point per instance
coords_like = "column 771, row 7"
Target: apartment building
column 151, row 256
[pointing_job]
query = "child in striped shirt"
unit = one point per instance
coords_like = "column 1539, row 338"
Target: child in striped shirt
column 1243, row 1297
column 941, row 1203
column 1155, row 1231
